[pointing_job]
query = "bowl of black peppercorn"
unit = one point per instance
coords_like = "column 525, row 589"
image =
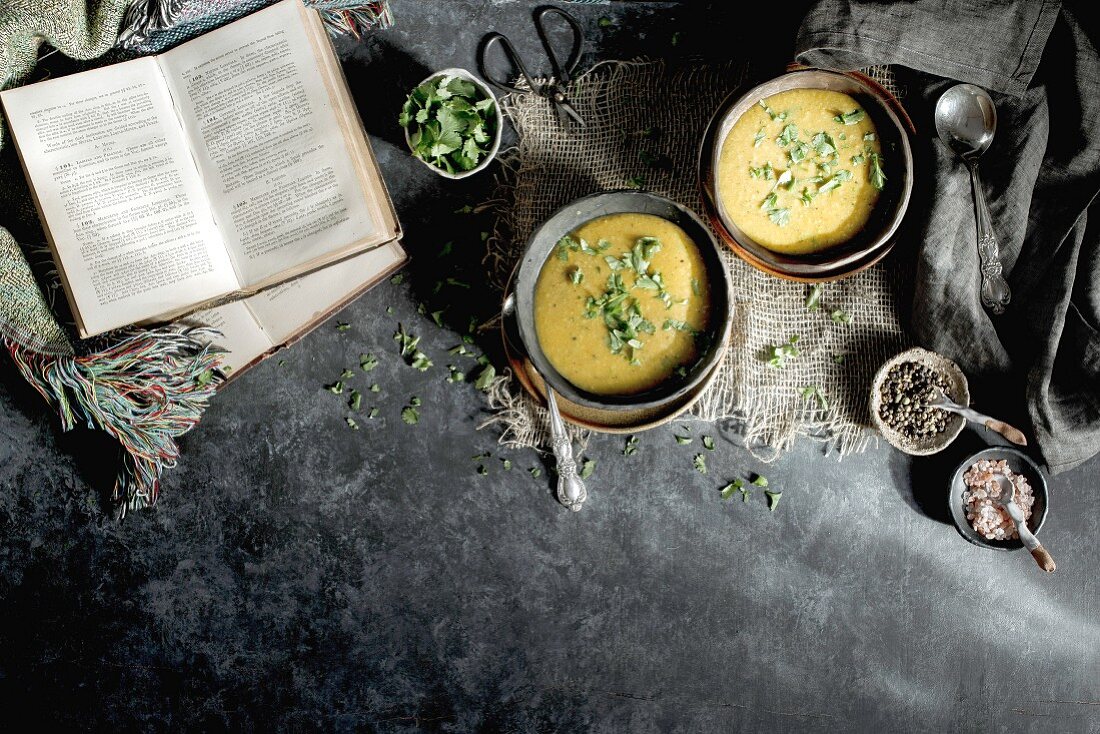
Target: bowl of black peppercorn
column 900, row 396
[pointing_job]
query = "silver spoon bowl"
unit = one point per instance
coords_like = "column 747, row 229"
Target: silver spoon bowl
column 966, row 120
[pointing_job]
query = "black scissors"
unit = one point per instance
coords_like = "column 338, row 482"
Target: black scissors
column 554, row 89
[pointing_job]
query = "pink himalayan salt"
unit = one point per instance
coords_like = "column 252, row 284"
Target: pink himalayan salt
column 981, row 499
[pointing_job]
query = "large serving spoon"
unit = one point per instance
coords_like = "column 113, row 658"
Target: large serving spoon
column 938, row 399
column 1008, row 501
column 966, row 120
column 571, row 490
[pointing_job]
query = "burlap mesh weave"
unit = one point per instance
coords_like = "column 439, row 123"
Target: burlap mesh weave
column 552, row 164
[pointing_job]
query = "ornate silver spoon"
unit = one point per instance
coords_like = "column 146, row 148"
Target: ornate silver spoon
column 571, row 490
column 966, row 120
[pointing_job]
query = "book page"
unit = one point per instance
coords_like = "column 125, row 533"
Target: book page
column 268, row 143
column 116, row 185
column 242, row 336
column 283, row 311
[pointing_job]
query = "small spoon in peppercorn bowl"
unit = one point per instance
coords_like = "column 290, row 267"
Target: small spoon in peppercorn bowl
column 938, row 399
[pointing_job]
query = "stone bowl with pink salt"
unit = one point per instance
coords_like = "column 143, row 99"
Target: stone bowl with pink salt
column 973, row 497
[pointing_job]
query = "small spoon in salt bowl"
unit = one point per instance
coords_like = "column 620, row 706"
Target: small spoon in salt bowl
column 940, row 400
column 1007, row 498
column 966, row 120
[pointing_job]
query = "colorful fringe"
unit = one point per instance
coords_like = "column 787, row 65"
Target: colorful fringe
column 145, row 391
column 353, row 17
column 152, row 26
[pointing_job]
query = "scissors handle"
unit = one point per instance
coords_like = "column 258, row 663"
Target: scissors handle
column 562, row 73
column 492, row 39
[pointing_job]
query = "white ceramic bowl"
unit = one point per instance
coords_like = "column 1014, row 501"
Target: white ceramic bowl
column 484, row 89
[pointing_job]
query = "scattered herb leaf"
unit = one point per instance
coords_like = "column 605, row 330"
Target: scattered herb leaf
column 773, row 499
column 736, row 485
column 813, row 297
column 700, row 463
column 485, row 378
column 814, row 392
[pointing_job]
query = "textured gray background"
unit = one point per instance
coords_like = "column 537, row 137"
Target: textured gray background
column 300, row 575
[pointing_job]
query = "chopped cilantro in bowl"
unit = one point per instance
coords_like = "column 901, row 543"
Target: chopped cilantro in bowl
column 452, row 123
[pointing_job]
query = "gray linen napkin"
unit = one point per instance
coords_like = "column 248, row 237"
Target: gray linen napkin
column 1042, row 176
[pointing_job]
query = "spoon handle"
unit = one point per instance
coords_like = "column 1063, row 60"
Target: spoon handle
column 571, row 490
column 1011, row 433
column 1038, row 552
column 995, row 293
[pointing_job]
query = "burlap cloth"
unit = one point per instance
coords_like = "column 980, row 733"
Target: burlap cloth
column 552, row 165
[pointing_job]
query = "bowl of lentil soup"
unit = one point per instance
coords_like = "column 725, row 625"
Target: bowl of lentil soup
column 807, row 176
column 622, row 301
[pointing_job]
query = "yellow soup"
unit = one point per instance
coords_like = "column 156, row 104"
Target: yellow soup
column 621, row 302
column 801, row 171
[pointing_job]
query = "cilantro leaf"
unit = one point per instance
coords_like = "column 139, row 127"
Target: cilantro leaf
column 877, row 177
column 850, row 118
column 813, row 297
column 485, row 378
column 841, row 316
column 780, row 217
column 773, row 499
column 700, row 463
column 734, row 486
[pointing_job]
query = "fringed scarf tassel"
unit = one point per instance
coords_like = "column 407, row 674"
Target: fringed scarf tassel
column 353, row 17
column 145, row 391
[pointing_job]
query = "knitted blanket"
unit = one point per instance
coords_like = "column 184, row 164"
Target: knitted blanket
column 144, row 387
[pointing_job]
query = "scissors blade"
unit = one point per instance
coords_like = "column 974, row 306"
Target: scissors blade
column 565, row 109
column 571, row 111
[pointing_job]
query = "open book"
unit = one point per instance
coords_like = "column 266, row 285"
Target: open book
column 256, row 327
column 176, row 182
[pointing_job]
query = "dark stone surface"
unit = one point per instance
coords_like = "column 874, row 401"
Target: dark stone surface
column 299, row 575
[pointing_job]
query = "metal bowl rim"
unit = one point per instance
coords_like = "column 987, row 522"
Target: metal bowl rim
column 1039, row 486
column 793, row 266
column 721, row 318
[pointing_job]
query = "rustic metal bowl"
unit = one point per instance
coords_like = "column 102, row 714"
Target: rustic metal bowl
column 1019, row 463
column 877, row 237
column 567, row 219
column 960, row 392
